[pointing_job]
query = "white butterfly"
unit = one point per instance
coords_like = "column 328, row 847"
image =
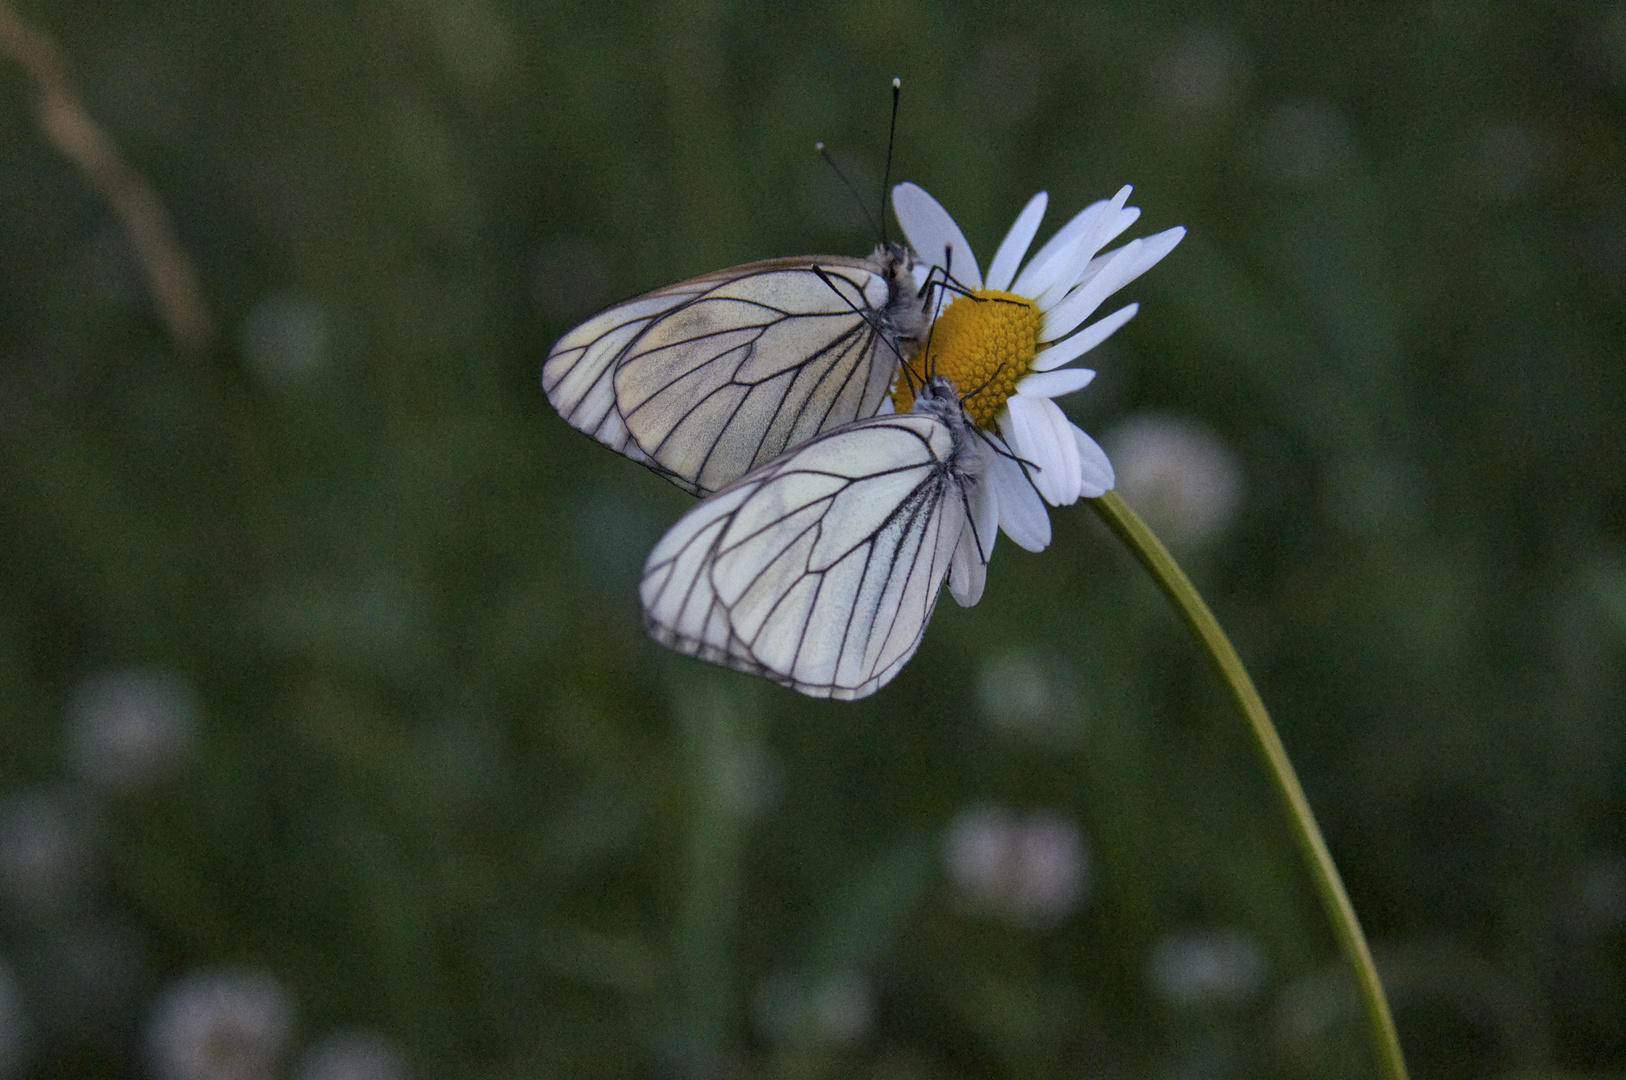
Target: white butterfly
column 820, row 569
column 707, row 379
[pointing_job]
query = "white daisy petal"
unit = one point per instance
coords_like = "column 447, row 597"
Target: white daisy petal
column 1095, row 469
column 1022, row 515
column 1071, row 348
column 1039, row 270
column 1062, row 277
column 1081, row 303
column 1050, row 384
column 1094, row 266
column 1149, row 254
column 1070, row 249
column 968, row 568
column 1113, row 228
column 1042, row 434
column 931, row 231
column 1071, row 272
column 1153, row 248
column 1002, row 271
column 985, row 515
column 967, row 571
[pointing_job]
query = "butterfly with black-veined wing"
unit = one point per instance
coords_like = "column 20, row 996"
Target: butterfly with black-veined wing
column 707, row 379
column 821, row 569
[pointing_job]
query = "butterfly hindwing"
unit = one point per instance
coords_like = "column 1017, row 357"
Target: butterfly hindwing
column 821, row 569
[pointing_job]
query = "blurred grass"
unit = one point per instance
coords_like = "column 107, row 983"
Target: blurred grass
column 446, row 787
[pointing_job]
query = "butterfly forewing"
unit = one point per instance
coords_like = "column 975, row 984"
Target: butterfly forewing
column 821, row 569
column 708, row 379
column 579, row 371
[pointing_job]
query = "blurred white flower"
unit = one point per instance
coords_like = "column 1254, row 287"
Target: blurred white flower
column 287, row 338
column 746, row 777
column 353, row 1055
column 1024, row 694
column 12, row 1023
column 736, row 773
column 1309, row 1007
column 1177, row 475
column 220, row 1025
column 1206, row 967
column 796, row 1010
column 132, row 728
column 1031, row 868
column 46, row 855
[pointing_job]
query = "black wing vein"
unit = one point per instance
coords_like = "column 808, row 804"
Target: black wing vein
column 812, row 571
column 705, row 380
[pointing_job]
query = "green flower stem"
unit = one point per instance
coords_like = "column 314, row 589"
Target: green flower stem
column 1129, row 528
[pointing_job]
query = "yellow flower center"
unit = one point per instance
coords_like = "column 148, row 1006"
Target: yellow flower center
column 983, row 343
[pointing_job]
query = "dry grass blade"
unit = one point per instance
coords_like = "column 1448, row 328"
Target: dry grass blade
column 169, row 272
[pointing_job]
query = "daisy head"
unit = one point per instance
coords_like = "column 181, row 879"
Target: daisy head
column 1006, row 342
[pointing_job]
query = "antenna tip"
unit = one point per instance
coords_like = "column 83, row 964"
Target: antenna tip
column 897, row 83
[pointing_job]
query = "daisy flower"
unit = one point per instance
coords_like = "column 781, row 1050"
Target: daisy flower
column 1004, row 341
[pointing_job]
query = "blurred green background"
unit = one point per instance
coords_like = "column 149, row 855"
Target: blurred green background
column 321, row 666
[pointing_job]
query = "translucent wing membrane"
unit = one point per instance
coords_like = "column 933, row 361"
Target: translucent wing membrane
column 710, row 378
column 578, row 374
column 820, row 570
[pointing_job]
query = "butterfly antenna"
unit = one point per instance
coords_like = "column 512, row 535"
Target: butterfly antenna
column 1002, row 451
column 853, row 191
column 996, row 445
column 942, row 279
column 937, row 308
column 909, row 375
column 891, row 138
column 950, row 283
column 864, row 313
column 960, row 288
